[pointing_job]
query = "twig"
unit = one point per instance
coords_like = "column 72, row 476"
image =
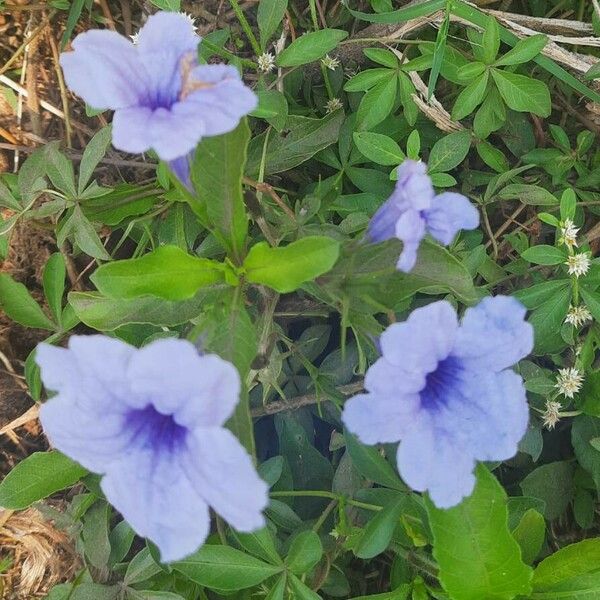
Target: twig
column 300, row 401
column 63, row 89
column 29, row 415
column 507, row 223
column 265, row 188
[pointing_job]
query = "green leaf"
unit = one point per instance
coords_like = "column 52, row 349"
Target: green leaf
column 85, row 235
column 92, row 155
column 371, row 465
column 37, row 477
column 377, row 535
column 491, row 41
column 404, row 14
column 259, row 543
column 224, row 568
column 269, row 16
column 304, row 553
column 552, row 483
column 168, row 272
column 217, row 173
column 379, row 148
column 439, row 51
column 108, row 314
column 54, row 283
column 547, row 320
column 377, row 103
column 310, row 47
column 476, row 554
column 584, row 432
column 7, row 200
column 530, row 534
column 300, row 591
column 523, row 51
column 18, row 304
column 449, row 151
column 141, row 567
column 365, row 80
column 59, row 169
column 286, row 268
column 492, row 156
column 544, row 255
column 522, row 93
column 382, row 56
column 528, row 194
column 471, row 97
column 568, row 204
column 568, row 563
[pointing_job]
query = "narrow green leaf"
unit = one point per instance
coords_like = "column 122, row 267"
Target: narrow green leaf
column 304, row 553
column 408, row 13
column 490, row 41
column 379, row 148
column 310, row 47
column 18, row 304
column 523, row 51
column 471, row 97
column 377, row 103
column 530, row 534
column 523, row 93
column 269, row 16
column 544, row 255
column 449, row 151
column 54, row 283
column 377, row 535
column 92, row 155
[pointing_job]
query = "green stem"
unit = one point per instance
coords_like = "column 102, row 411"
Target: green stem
column 222, row 52
column 327, row 82
column 313, row 14
column 319, row 522
column 239, row 13
column 325, row 494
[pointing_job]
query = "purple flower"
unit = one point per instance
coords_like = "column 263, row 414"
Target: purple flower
column 413, row 210
column 162, row 98
column 447, row 393
column 151, row 421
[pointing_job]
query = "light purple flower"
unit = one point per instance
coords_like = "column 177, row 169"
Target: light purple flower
column 151, row 421
column 162, row 98
column 446, row 391
column 413, row 210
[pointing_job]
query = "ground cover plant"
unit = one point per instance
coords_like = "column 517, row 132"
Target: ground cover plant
column 318, row 310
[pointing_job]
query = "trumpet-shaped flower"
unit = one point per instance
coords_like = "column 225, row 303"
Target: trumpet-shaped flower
column 162, row 98
column 151, row 422
column 446, row 391
column 414, row 209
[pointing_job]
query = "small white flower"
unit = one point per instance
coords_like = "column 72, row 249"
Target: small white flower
column 578, row 316
column 551, row 415
column 578, row 264
column 333, row 105
column 266, row 62
column 569, row 381
column 134, row 37
column 330, row 63
column 568, row 233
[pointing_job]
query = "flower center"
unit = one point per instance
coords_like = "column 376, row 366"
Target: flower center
column 152, row 429
column 438, row 383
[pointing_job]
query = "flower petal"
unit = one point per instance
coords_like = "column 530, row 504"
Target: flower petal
column 181, row 167
column 224, row 103
column 385, row 378
column 104, row 69
column 449, row 213
column 377, row 419
column 424, row 339
column 157, row 498
column 429, row 460
column 224, row 475
column 413, row 188
column 494, row 334
column 382, row 225
column 131, row 129
column 198, row 390
column 410, row 228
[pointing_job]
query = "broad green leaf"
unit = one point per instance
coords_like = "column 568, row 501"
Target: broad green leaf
column 404, row 14
column 528, row 194
column 92, row 155
column 94, row 535
column 365, row 80
column 568, row 204
column 85, row 235
column 304, row 553
column 224, row 568
column 523, row 51
column 59, row 169
column 371, row 465
column 259, row 543
column 269, row 16
column 107, row 314
column 302, row 139
column 376, row 536
column 523, row 93
column 141, row 567
column 217, row 172
column 544, row 255
column 476, row 554
column 379, row 148
column 552, row 483
column 300, row 591
column 547, row 320
column 18, row 304
column 382, row 56
column 273, row 107
column 286, row 268
column 492, row 156
column 377, row 103
column 168, row 272
column 7, row 200
column 585, row 431
column 471, row 97
column 530, row 534
column 37, row 477
column 568, row 563
column 54, row 283
column 310, row 47
column 277, row 592
column 400, row 593
column 449, row 151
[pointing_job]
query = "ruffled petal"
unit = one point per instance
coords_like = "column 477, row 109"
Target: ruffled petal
column 160, row 502
column 449, row 213
column 385, row 378
column 223, row 104
column 224, row 475
column 382, row 225
column 377, row 419
column 494, row 334
column 410, row 228
column 198, row 390
column 418, row 344
column 104, row 70
column 131, row 129
column 430, row 461
column 413, row 188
